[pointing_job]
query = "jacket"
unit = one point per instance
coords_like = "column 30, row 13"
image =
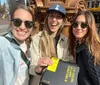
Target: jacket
column 62, row 52
column 89, row 73
column 9, row 60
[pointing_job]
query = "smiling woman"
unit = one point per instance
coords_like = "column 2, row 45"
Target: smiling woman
column 84, row 44
column 49, row 43
column 14, row 57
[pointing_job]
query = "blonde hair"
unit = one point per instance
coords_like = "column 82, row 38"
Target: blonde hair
column 46, row 42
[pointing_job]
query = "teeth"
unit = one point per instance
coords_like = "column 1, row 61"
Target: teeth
column 21, row 33
column 53, row 25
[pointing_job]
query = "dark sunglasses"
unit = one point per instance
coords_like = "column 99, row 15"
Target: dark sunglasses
column 55, row 16
column 17, row 22
column 82, row 24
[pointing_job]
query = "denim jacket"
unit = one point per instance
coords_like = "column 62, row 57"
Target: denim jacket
column 9, row 60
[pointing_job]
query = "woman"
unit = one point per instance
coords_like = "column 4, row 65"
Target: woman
column 13, row 47
column 84, row 44
column 49, row 43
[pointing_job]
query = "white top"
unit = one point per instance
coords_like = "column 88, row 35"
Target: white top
column 23, row 75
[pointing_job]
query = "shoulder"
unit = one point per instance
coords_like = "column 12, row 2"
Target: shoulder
column 4, row 44
column 63, row 38
column 3, row 40
column 36, row 36
column 81, row 48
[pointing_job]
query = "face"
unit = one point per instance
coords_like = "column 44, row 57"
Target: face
column 21, row 25
column 55, row 21
column 80, row 27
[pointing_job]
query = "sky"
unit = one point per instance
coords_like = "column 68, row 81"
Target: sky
column 2, row 1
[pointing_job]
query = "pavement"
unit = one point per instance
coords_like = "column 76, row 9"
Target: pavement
column 4, row 26
column 4, row 21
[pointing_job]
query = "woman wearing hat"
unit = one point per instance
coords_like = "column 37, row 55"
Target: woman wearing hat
column 49, row 43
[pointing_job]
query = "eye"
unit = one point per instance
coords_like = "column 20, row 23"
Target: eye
column 59, row 17
column 28, row 24
column 51, row 16
column 75, row 25
column 83, row 25
column 17, row 22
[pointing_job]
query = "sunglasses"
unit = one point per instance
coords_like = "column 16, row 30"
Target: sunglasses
column 17, row 22
column 55, row 16
column 82, row 24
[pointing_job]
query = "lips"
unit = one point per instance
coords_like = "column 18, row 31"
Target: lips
column 21, row 33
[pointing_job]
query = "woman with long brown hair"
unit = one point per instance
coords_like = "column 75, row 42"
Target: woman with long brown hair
column 84, row 44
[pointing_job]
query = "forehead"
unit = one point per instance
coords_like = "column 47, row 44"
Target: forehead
column 81, row 18
column 22, row 13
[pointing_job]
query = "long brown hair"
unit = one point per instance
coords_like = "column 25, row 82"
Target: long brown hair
column 91, row 38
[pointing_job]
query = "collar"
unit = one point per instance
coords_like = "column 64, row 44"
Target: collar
column 12, row 38
column 80, row 47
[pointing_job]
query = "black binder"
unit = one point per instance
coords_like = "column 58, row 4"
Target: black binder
column 60, row 73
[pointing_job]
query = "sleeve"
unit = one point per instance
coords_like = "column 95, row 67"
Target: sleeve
column 35, row 54
column 6, row 66
column 93, row 69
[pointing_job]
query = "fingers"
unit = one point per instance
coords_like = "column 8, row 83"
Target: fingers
column 42, row 64
column 45, row 61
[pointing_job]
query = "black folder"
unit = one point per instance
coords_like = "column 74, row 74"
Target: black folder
column 60, row 73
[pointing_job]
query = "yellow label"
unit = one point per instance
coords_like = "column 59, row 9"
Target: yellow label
column 53, row 67
column 70, row 74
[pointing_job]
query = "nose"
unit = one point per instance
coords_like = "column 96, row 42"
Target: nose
column 79, row 26
column 54, row 18
column 23, row 26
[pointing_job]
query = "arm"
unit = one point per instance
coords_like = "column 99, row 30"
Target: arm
column 6, row 65
column 37, row 62
column 35, row 55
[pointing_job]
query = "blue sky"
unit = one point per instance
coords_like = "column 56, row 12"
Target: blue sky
column 2, row 1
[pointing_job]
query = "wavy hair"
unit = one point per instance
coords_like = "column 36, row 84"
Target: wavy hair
column 91, row 38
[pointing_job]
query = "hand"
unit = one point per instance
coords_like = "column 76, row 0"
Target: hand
column 42, row 63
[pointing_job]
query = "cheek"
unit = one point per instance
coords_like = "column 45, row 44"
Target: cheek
column 13, row 30
column 60, row 23
column 79, row 33
column 31, row 30
column 49, row 20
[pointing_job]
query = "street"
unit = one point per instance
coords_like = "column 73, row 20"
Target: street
column 3, row 21
column 4, row 26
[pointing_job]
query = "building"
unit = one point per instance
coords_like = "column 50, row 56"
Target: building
column 94, row 7
column 13, row 3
